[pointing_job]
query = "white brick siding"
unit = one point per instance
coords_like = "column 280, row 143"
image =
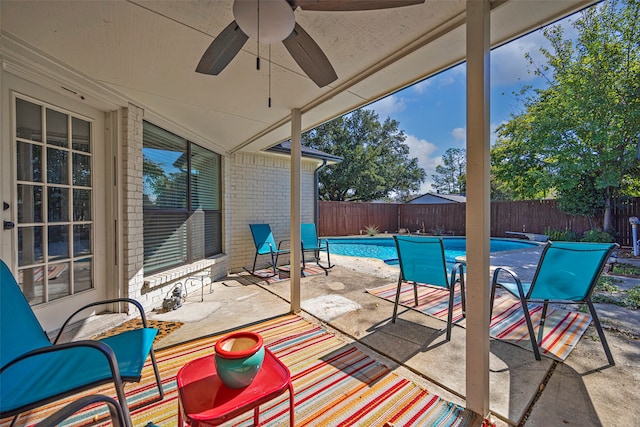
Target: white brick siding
column 148, row 290
column 259, row 188
column 132, row 221
column 256, row 190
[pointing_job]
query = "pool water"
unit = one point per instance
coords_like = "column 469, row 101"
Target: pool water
column 384, row 248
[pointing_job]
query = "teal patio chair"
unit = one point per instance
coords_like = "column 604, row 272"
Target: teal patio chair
column 310, row 243
column 567, row 273
column 34, row 371
column 266, row 245
column 422, row 261
column 116, row 413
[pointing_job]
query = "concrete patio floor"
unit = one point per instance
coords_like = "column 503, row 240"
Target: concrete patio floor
column 582, row 391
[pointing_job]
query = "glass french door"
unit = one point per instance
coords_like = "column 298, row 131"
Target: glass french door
column 54, row 188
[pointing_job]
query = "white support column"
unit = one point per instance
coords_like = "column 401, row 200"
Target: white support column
column 478, row 206
column 296, row 171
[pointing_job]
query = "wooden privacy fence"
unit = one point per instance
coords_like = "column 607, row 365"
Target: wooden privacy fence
column 533, row 216
column 349, row 218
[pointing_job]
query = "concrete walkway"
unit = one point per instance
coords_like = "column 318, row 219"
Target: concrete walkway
column 582, row 391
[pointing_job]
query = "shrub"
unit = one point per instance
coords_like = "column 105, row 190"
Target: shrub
column 565, row 235
column 597, row 236
column 372, row 230
column 632, row 299
column 625, row 269
column 607, row 284
column 438, row 231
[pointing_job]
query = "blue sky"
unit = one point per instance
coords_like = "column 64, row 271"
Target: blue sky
column 432, row 113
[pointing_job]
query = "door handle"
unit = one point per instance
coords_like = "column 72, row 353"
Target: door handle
column 8, row 225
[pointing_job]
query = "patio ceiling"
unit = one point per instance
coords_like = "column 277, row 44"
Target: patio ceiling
column 146, row 52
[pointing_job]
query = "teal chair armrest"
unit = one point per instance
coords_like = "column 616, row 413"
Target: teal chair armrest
column 93, row 304
column 516, row 288
column 115, row 411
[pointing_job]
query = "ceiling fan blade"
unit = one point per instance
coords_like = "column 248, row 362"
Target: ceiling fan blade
column 350, row 5
column 306, row 52
column 222, row 50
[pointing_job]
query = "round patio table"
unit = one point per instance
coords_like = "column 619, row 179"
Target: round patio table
column 203, row 400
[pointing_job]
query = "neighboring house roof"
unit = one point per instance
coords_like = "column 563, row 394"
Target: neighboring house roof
column 438, row 198
column 285, row 148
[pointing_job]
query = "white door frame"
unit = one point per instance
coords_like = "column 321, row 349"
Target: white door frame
column 52, row 314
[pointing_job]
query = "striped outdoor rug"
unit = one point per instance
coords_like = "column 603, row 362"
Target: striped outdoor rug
column 562, row 329
column 335, row 385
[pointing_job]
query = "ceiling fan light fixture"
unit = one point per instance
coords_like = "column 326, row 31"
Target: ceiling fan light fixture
column 276, row 19
column 277, row 23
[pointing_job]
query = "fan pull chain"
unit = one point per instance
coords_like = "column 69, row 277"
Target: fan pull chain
column 258, row 42
column 269, row 76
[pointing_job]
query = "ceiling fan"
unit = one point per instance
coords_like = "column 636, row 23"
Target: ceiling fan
column 271, row 21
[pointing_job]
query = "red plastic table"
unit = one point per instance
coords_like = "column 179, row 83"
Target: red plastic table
column 203, row 400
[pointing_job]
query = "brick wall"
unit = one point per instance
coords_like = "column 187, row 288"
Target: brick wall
column 152, row 289
column 256, row 190
column 132, row 221
column 259, row 192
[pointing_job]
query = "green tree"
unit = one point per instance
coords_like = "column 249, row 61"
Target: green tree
column 451, row 175
column 578, row 137
column 162, row 188
column 376, row 160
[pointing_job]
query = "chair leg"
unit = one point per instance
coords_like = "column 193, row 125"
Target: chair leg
column 122, row 399
column 491, row 299
column 319, row 264
column 255, row 259
column 329, row 259
column 532, row 334
column 395, row 306
column 603, row 339
column 415, row 293
column 543, row 317
column 253, row 268
column 156, row 372
column 452, row 292
column 463, row 297
column 304, row 263
column 274, row 262
column 316, row 255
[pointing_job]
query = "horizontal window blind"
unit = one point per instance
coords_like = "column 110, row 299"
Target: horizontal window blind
column 165, row 239
column 181, row 200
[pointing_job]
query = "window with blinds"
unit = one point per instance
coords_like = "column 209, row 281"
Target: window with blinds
column 181, row 200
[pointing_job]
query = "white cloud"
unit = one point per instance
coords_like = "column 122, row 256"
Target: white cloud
column 445, row 79
column 422, row 86
column 508, row 62
column 460, row 134
column 423, row 150
column 388, row 105
column 455, row 75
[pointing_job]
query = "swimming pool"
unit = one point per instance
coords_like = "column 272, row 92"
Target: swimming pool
column 384, row 248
